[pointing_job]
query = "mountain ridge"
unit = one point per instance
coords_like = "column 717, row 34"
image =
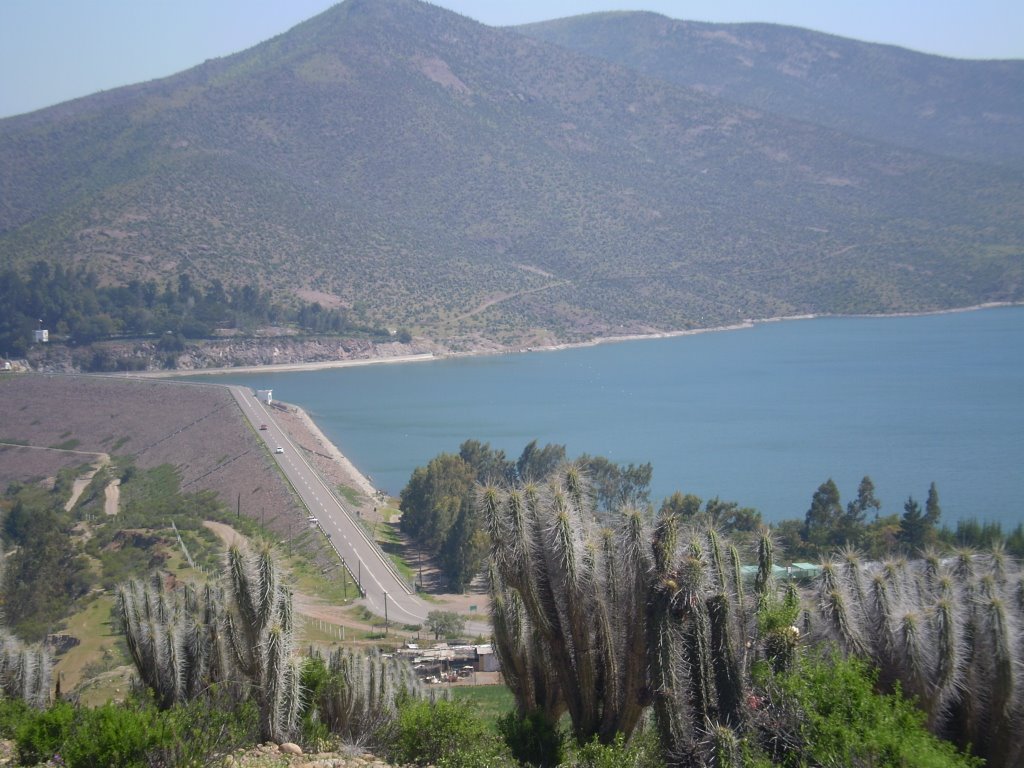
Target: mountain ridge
column 469, row 181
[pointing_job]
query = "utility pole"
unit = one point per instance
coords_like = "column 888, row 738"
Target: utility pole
column 385, row 613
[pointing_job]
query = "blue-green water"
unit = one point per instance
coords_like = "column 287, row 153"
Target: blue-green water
column 760, row 416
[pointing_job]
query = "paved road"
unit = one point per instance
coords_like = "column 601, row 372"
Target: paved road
column 381, row 585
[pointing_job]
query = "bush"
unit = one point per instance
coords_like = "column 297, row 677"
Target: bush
column 841, row 720
column 444, row 734
column 206, row 728
column 13, row 713
column 114, row 735
column 532, row 739
column 641, row 751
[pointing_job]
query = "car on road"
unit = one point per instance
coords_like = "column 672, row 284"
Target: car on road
column 279, row 449
column 263, row 426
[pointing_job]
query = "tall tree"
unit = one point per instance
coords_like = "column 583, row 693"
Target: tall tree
column 913, row 525
column 434, row 497
column 932, row 510
column 489, row 464
column 851, row 527
column 825, row 513
column 536, row 463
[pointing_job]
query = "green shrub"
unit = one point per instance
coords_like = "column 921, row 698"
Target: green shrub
column 13, row 712
column 531, row 739
column 445, row 734
column 841, row 720
column 130, row 735
column 114, row 735
column 641, row 751
column 206, row 728
column 40, row 737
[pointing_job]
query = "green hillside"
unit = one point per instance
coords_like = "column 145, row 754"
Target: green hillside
column 420, row 170
column 970, row 110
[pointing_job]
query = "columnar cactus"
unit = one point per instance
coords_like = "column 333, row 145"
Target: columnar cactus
column 172, row 641
column 562, row 594
column 362, row 692
column 25, row 671
column 949, row 631
column 625, row 617
column 183, row 641
column 260, row 633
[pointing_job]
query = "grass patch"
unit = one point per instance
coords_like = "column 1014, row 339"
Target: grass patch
column 120, row 442
column 67, row 445
column 388, row 514
column 333, row 586
column 101, row 648
column 13, row 441
column 351, row 495
column 489, row 702
column 323, row 633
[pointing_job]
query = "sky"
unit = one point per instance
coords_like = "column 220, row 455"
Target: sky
column 55, row 50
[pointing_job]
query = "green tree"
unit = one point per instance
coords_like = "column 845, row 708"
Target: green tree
column 684, row 507
column 489, row 464
column 917, row 527
column 445, row 624
column 615, row 486
column 824, row 516
column 44, row 573
column 434, row 497
column 912, row 525
column 932, row 510
column 536, row 463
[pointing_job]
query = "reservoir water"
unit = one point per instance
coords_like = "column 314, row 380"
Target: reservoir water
column 761, row 416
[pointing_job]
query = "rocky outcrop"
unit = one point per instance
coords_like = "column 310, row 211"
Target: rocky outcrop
column 146, row 355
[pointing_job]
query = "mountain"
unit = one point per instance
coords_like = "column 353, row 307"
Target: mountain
column 972, row 110
column 421, row 169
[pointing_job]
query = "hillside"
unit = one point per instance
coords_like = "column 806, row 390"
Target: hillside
column 971, row 110
column 422, row 170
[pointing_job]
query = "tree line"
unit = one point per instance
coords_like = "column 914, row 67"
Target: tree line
column 439, row 514
column 77, row 307
column 439, row 509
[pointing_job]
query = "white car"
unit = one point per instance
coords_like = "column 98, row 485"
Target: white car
column 279, row 449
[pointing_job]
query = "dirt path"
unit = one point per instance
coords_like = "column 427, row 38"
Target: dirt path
column 111, row 497
column 502, row 297
column 83, row 480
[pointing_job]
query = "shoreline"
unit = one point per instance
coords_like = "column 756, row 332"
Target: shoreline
column 320, row 365
column 745, row 324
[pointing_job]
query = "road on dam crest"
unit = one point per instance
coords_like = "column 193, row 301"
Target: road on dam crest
column 386, row 593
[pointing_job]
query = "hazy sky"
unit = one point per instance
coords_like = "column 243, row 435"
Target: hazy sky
column 54, row 50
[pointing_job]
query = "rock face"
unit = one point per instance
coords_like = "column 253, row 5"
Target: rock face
column 214, row 353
